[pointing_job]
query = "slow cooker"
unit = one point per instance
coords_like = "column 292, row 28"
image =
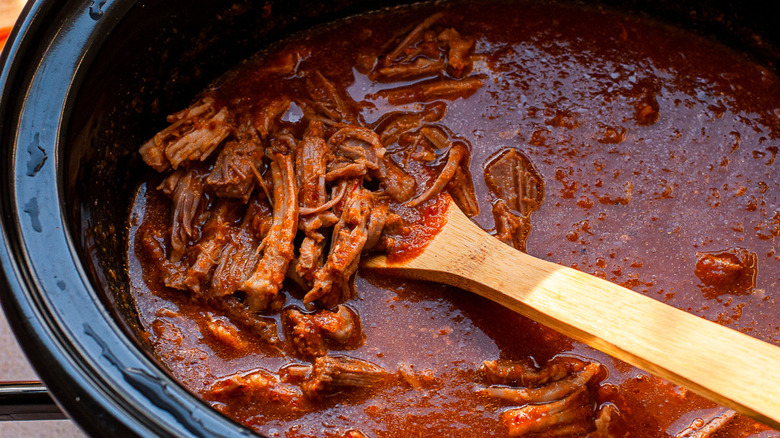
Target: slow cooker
column 84, row 83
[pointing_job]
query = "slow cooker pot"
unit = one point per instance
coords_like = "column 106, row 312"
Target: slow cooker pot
column 84, row 83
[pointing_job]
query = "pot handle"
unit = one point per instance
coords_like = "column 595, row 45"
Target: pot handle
column 27, row 401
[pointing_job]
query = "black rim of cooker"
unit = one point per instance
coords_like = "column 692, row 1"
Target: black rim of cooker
column 97, row 375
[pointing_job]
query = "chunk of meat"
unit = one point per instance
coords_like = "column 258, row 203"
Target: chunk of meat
column 511, row 228
column 550, row 392
column 328, row 100
column 311, row 160
column 555, row 400
column 311, row 333
column 418, row 68
column 239, row 256
column 396, row 182
column 727, row 272
column 393, row 125
column 236, row 259
column 417, row 55
column 512, row 177
column 701, row 428
column 436, row 135
column 565, row 417
column 457, row 155
column 262, row 327
column 458, row 56
column 459, row 185
column 357, row 145
column 605, row 418
column 266, row 118
column 185, row 187
column 427, row 91
column 277, row 246
column 238, row 165
column 193, row 135
column 216, row 233
column 334, row 373
column 258, row 385
column 358, row 151
column 403, row 48
column 376, row 223
column 461, row 189
column 349, row 237
column 152, row 243
column 225, row 333
column 519, row 189
column 345, row 170
column 234, row 173
column 526, row 374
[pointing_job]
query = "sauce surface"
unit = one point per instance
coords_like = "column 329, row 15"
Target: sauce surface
column 650, row 156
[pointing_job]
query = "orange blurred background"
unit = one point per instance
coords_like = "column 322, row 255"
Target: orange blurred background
column 9, row 10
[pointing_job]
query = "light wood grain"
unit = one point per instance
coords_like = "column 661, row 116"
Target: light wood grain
column 724, row 365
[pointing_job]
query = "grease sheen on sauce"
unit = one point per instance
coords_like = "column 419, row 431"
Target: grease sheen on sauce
column 655, row 146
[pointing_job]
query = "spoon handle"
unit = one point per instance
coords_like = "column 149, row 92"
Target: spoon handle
column 726, row 366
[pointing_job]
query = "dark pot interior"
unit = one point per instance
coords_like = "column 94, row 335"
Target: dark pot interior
column 84, row 86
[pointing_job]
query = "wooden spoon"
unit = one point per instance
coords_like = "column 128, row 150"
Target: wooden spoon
column 724, row 365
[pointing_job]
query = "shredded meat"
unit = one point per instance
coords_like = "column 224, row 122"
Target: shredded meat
column 332, row 373
column 425, row 51
column 457, row 154
column 518, row 191
column 511, row 228
column 525, row 374
column 564, row 417
column 216, row 233
column 427, row 91
column 555, row 400
column 458, row 62
column 267, row 118
column 392, row 126
column 277, row 246
column 376, row 223
column 193, row 135
column 418, row 68
column 397, row 183
column 186, row 190
column 552, row 391
column 403, row 48
column 297, row 187
column 258, row 384
column 262, row 327
column 349, row 237
column 225, row 333
column 152, row 243
column 328, row 100
column 311, row 333
column 238, row 257
column 454, row 177
column 605, row 418
column 701, row 428
column 311, row 159
column 511, row 176
column 235, row 172
column 727, row 272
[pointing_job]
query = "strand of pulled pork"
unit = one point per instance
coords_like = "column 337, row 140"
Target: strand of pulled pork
column 278, row 247
column 343, row 161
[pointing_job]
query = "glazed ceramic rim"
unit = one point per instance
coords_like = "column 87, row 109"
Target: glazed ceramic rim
column 94, row 371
